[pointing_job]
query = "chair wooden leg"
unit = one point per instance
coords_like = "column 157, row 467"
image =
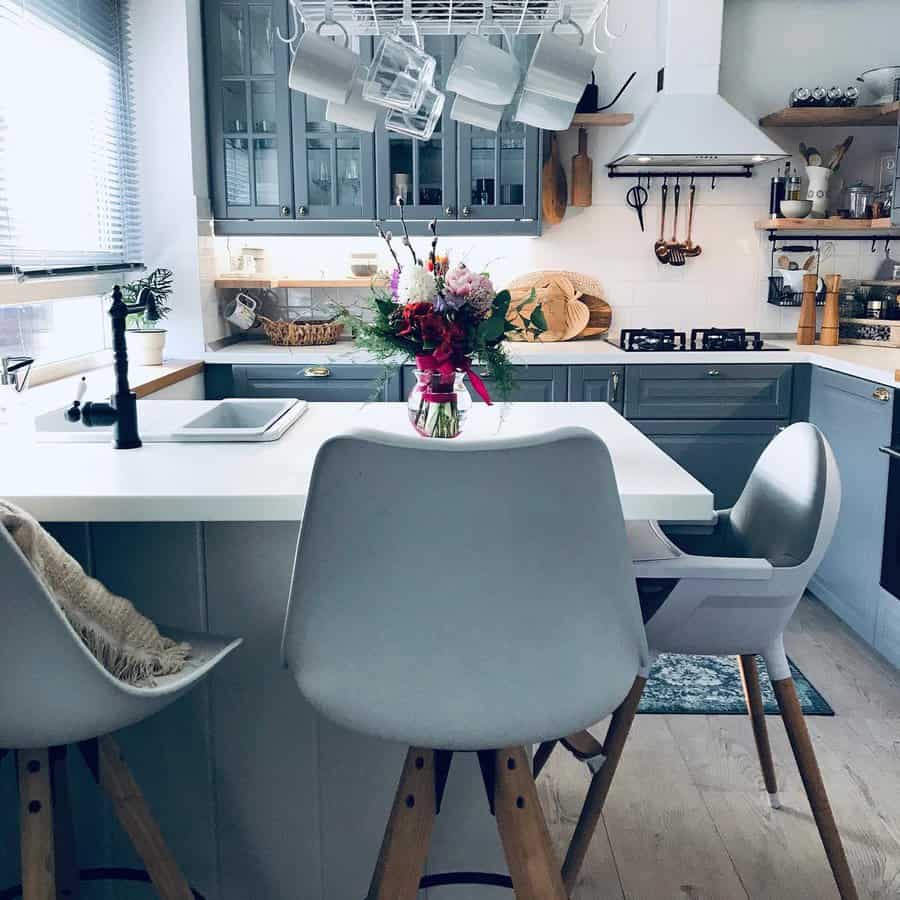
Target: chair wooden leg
column 753, row 697
column 36, row 825
column 408, row 833
column 135, row 817
column 801, row 744
column 532, row 863
column 542, row 757
column 592, row 809
column 66, row 855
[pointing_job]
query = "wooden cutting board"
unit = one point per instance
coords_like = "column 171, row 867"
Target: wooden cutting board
column 599, row 316
column 566, row 315
column 554, row 189
column 582, row 173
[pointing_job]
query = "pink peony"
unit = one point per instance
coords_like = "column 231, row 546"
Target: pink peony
column 476, row 288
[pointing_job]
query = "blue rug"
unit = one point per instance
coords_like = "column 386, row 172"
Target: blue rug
column 711, row 686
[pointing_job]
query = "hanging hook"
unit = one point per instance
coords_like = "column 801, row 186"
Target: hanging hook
column 712, row 185
column 606, row 29
column 295, row 16
column 594, row 35
column 874, row 241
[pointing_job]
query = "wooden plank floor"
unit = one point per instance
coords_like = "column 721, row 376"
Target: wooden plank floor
column 688, row 817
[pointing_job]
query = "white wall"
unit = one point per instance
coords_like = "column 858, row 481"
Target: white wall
column 768, row 45
column 169, row 120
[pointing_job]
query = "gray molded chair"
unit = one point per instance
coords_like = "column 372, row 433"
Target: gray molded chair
column 54, row 693
column 732, row 591
column 419, row 614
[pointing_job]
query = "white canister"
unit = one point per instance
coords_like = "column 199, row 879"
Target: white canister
column 819, row 177
column 242, row 311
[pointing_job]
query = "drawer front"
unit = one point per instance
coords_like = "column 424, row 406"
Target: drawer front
column 323, row 383
column 533, row 384
column 708, row 391
column 700, row 447
column 597, row 384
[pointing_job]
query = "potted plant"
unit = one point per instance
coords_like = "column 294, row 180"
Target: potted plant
column 143, row 336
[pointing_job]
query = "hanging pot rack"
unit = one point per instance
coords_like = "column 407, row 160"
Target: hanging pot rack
column 374, row 17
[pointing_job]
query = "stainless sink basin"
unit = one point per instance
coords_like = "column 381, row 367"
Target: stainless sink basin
column 230, row 420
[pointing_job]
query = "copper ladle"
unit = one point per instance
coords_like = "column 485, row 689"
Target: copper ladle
column 661, row 247
column 689, row 248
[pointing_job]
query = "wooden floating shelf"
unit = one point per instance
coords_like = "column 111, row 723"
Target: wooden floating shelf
column 867, row 226
column 886, row 114
column 237, row 283
column 602, row 120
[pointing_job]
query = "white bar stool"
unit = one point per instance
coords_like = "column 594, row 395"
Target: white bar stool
column 440, row 635
column 733, row 592
column 54, row 693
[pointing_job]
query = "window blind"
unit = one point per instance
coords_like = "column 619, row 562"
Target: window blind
column 69, row 192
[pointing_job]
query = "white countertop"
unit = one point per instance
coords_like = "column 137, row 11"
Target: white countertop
column 268, row 482
column 876, row 364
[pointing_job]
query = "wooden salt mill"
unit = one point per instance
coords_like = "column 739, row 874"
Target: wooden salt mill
column 831, row 322
column 806, row 327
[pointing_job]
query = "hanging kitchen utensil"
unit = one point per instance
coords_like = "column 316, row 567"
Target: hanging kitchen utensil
column 661, row 248
column 676, row 254
column 689, row 248
column 887, row 266
column 582, row 173
column 554, row 189
column 636, row 198
column 589, row 99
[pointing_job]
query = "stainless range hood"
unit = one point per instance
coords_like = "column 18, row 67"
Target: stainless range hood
column 689, row 125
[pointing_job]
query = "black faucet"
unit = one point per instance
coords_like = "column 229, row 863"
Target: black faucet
column 121, row 410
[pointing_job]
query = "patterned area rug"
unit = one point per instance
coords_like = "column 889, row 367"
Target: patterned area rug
column 711, row 686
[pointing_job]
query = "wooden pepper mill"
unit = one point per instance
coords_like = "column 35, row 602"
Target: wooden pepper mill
column 831, row 322
column 806, row 327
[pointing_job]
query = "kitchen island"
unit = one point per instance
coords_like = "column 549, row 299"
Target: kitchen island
column 258, row 795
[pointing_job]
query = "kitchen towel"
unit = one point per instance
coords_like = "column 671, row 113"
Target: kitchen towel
column 127, row 644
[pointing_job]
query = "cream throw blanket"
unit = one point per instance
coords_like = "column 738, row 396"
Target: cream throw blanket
column 127, row 644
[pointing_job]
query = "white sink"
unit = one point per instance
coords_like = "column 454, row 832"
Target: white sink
column 232, row 420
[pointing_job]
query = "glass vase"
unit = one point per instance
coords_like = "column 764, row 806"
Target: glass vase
column 438, row 404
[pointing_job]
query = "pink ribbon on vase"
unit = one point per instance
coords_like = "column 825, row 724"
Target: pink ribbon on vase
column 427, row 362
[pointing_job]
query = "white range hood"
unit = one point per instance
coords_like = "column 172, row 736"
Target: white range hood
column 689, row 125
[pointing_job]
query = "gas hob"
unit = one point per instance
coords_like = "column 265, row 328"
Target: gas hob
column 661, row 340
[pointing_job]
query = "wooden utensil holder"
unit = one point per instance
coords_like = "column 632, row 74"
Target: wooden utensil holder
column 806, row 327
column 830, row 335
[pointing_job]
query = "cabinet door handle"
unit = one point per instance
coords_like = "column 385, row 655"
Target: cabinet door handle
column 614, row 387
column 285, row 210
column 890, row 451
column 713, row 373
column 449, row 210
column 882, row 394
column 302, row 211
column 316, row 372
column 466, row 211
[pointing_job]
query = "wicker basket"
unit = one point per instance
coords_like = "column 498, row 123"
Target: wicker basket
column 302, row 333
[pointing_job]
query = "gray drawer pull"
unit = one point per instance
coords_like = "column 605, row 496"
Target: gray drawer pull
column 614, row 387
column 890, row 451
column 713, row 372
column 316, row 372
column 882, row 394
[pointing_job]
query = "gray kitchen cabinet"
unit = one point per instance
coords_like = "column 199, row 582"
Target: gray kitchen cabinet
column 248, row 109
column 689, row 391
column 333, row 165
column 498, row 170
column 887, row 628
column 597, row 384
column 423, row 173
column 719, row 453
column 856, row 421
column 533, row 384
column 277, row 166
column 323, row 383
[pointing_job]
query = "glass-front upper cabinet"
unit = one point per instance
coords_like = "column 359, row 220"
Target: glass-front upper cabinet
column 248, row 111
column 498, row 171
column 334, row 166
column 422, row 172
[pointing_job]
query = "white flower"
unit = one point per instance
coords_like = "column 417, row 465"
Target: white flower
column 416, row 285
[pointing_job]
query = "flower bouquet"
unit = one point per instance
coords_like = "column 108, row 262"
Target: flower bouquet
column 445, row 319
